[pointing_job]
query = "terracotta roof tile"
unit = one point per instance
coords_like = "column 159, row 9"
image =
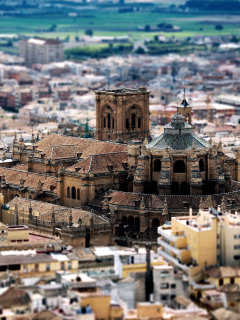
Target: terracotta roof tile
column 22, row 167
column 61, row 213
column 13, row 297
column 30, row 179
column 100, row 163
column 223, row 272
column 85, row 146
column 59, row 152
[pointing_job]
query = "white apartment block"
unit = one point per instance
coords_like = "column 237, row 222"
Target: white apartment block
column 41, row 51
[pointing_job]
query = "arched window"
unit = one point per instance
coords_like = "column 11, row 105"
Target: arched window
column 137, row 222
column 139, row 122
column 201, row 165
column 124, row 220
column 175, row 188
column 68, row 192
column 179, row 166
column 109, row 121
column 131, row 221
column 127, row 123
column 113, row 123
column 133, row 121
column 184, row 188
column 104, row 122
column 73, row 193
column 155, row 223
column 157, row 166
column 154, row 187
column 78, row 194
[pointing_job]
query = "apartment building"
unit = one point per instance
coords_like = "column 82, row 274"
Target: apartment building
column 193, row 243
column 40, row 51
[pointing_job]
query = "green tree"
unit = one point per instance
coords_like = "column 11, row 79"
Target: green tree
column 140, row 50
column 147, row 27
column 53, row 27
column 89, row 32
column 218, row 27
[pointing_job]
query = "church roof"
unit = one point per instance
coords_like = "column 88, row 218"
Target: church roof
column 178, row 135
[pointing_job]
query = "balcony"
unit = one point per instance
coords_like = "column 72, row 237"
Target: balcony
column 169, row 258
column 167, row 234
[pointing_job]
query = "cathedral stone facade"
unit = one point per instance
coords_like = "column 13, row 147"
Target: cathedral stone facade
column 130, row 179
column 122, row 114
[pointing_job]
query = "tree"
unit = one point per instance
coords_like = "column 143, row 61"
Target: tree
column 89, row 32
column 147, row 27
column 156, row 38
column 140, row 50
column 53, row 27
column 218, row 27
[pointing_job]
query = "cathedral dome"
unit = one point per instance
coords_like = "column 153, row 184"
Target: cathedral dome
column 178, row 135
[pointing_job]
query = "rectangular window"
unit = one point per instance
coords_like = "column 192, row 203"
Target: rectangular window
column 104, row 122
column 36, row 267
column 127, row 123
column 164, row 285
column 113, row 123
column 173, row 285
column 62, row 266
column 237, row 236
column 47, row 266
column 237, row 246
column 69, row 265
column 164, row 297
column 139, row 122
column 164, row 274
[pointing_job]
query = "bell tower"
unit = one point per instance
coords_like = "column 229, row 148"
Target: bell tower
column 185, row 109
column 122, row 114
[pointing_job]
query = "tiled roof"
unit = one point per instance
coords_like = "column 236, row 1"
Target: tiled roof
column 59, row 152
column 152, row 201
column 178, row 142
column 30, row 180
column 85, row 146
column 13, row 297
column 101, row 163
column 22, row 167
column 223, row 272
column 61, row 213
column 178, row 136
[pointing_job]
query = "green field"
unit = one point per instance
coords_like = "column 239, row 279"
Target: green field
column 108, row 22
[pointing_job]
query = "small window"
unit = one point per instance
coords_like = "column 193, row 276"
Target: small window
column 220, row 282
column 232, row 280
column 62, row 266
column 113, row 123
column 104, row 122
column 139, row 122
column 173, row 285
column 69, row 265
column 48, row 267
column 164, row 285
column 127, row 123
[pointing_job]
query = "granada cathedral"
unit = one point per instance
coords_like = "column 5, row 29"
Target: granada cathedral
column 119, row 187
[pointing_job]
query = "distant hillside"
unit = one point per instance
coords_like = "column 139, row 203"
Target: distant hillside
column 216, row 5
